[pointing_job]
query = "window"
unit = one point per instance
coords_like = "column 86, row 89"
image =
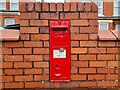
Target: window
column 117, row 7
column 14, row 5
column 103, row 26
column 2, row 4
column 9, row 21
column 117, row 27
column 100, row 7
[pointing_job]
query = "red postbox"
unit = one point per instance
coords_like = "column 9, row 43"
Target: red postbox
column 59, row 50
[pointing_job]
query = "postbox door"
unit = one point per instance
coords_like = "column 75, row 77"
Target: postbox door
column 59, row 51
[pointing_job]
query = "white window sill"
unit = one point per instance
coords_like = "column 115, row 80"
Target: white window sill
column 100, row 15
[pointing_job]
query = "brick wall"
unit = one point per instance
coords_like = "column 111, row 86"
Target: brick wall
column 94, row 63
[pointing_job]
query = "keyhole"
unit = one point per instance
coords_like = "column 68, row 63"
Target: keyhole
column 56, row 65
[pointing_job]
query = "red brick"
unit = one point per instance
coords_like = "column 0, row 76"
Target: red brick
column 94, row 7
column 93, row 22
column 113, row 50
column 74, row 57
column 112, row 77
column 49, row 85
column 38, row 22
column 105, row 70
column 22, row 51
column 41, row 64
column 74, row 43
column 79, row 64
column 66, row 6
column 29, row 30
column 24, row 23
column 41, row 77
column 74, row 70
column 23, row 78
column 7, row 65
column 97, row 50
column 45, row 7
column 87, row 57
column 88, row 29
column 13, row 71
column 87, row 6
column 106, row 84
column 6, row 51
column 106, row 44
column 78, row 77
column 33, row 71
column 44, row 30
column 13, row 58
column 59, row 7
column 41, row 51
column 98, row 64
column 117, row 57
column 69, row 16
column 33, row 58
column 49, row 16
column 46, row 57
column 88, row 43
column 106, row 57
column 70, row 84
column 87, row 70
column 88, row 15
column 96, row 77
column 40, row 37
column 46, row 70
column 79, row 22
column 78, row 50
column 29, row 16
column 113, row 63
column 33, row 85
column 93, row 36
column 80, row 6
column 79, row 36
column 46, row 43
column 73, row 6
column 13, row 44
column 88, row 84
column 52, row 7
column 24, row 37
column 22, row 6
column 31, row 6
column 38, row 7
column 74, row 30
column 23, row 65
column 7, row 79
column 14, row 85
column 32, row 44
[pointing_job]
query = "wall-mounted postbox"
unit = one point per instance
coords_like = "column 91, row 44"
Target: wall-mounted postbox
column 59, row 50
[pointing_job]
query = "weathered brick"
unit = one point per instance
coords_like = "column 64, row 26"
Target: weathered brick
column 78, row 50
column 22, row 6
column 33, row 71
column 41, row 51
column 29, row 16
column 33, row 58
column 79, row 36
column 40, row 37
column 74, row 30
column 14, row 85
column 97, row 50
column 22, row 51
column 106, row 83
column 24, row 37
column 49, row 16
column 87, row 57
column 79, row 22
column 80, row 6
column 87, row 70
column 52, row 7
column 33, row 85
column 74, row 43
column 7, row 65
column 105, row 70
column 88, row 43
column 6, row 51
column 45, row 7
column 31, row 6
column 13, row 44
column 41, row 64
column 66, row 6
column 98, row 64
column 59, row 7
column 93, row 36
column 79, row 64
column 38, row 22
column 24, row 23
column 94, row 7
column 74, row 57
column 96, row 77
column 32, row 44
column 89, row 30
column 13, row 71
column 87, row 6
column 112, row 77
column 113, row 63
column 13, row 58
column 74, row 70
column 38, row 7
column 106, row 44
column 88, row 84
column 73, row 6
column 7, row 79
column 113, row 50
column 69, row 16
column 88, row 15
column 23, row 65
column 78, row 77
column 41, row 77
column 106, row 57
column 23, row 78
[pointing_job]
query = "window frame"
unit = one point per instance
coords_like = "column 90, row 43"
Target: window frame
column 104, row 23
column 8, row 18
column 116, row 7
column 3, row 1
column 116, row 26
column 12, row 2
